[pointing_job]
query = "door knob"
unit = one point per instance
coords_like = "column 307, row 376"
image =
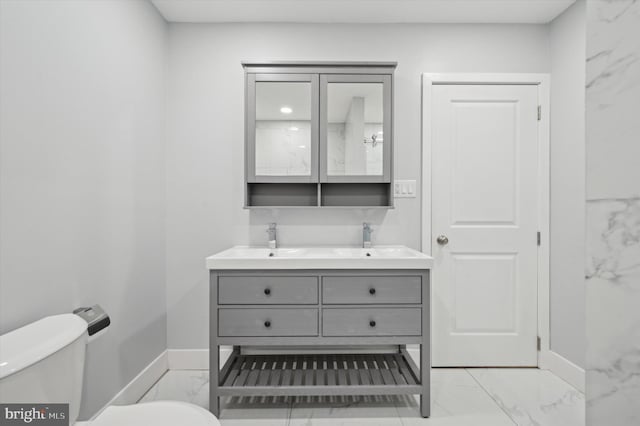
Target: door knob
column 442, row 240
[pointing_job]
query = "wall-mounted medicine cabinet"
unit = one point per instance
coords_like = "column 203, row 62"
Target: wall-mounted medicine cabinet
column 319, row 134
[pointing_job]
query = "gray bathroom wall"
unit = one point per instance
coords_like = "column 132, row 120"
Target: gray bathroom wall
column 567, row 305
column 82, row 176
column 613, row 213
column 205, row 136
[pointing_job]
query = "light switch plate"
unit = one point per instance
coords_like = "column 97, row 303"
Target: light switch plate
column 404, row 189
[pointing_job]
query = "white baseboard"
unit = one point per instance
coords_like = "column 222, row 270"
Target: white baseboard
column 139, row 385
column 563, row 368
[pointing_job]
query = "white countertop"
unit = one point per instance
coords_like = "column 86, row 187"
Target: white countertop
column 377, row 257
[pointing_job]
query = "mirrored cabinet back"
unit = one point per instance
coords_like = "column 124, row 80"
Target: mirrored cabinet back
column 319, row 134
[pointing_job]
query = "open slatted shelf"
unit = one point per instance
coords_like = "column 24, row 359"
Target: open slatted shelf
column 319, row 374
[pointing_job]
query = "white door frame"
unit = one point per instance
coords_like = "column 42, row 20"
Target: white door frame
column 542, row 81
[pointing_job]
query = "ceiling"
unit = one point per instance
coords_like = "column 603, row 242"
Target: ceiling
column 363, row 11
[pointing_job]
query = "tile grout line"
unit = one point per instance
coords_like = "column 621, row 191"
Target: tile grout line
column 289, row 412
column 492, row 398
column 395, row 406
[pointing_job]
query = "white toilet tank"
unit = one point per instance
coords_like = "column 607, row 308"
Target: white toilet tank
column 43, row 362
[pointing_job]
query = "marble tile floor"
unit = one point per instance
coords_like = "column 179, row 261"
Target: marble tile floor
column 460, row 397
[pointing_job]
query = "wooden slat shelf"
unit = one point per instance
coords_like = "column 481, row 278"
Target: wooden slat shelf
column 319, row 374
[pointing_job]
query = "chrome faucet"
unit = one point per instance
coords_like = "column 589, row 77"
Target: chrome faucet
column 273, row 239
column 366, row 235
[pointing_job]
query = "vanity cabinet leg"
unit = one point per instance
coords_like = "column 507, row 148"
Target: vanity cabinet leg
column 424, row 406
column 214, row 371
column 214, row 348
column 425, row 347
column 425, row 379
column 215, row 406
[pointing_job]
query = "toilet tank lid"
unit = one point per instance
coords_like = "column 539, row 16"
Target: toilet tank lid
column 27, row 345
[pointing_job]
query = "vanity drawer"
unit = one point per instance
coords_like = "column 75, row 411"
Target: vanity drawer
column 371, row 322
column 269, row 290
column 373, row 289
column 267, row 322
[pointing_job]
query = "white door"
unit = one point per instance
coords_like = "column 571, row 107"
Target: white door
column 484, row 225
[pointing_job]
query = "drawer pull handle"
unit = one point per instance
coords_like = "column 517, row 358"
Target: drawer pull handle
column 267, row 323
column 372, row 291
column 372, row 323
column 267, row 291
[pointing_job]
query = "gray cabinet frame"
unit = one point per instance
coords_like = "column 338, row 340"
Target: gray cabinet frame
column 250, row 126
column 273, row 192
column 219, row 377
column 387, row 144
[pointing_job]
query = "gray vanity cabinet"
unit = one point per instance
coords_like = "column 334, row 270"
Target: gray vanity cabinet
column 319, row 134
column 322, row 332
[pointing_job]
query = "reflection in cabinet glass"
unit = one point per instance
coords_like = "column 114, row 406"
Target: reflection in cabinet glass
column 283, row 129
column 354, row 129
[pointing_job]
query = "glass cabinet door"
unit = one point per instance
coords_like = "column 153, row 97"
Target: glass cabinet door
column 282, row 127
column 355, row 128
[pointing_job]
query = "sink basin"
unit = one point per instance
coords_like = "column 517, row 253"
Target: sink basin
column 379, row 257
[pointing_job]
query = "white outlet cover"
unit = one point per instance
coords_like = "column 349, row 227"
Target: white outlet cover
column 404, row 189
